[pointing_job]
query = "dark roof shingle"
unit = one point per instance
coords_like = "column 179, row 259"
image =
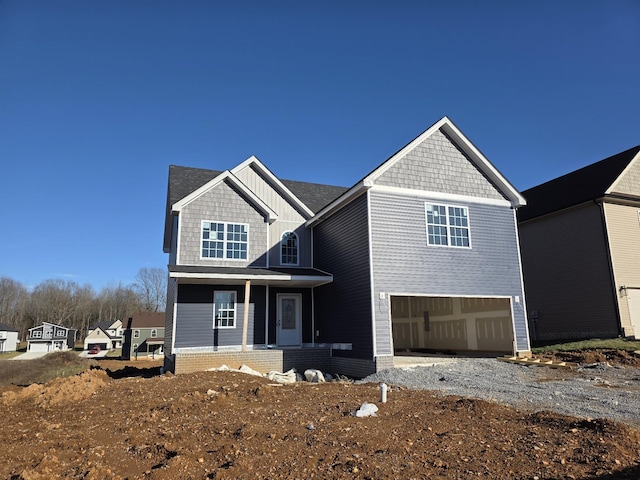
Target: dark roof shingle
column 583, row 185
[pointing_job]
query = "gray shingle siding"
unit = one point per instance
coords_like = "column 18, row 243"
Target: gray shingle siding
column 194, row 327
column 343, row 308
column 223, row 204
column 404, row 263
column 437, row 165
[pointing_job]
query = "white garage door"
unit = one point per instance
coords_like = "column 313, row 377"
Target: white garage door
column 38, row 347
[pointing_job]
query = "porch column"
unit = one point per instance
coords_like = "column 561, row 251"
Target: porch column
column 245, row 324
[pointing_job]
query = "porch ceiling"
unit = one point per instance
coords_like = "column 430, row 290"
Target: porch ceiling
column 283, row 277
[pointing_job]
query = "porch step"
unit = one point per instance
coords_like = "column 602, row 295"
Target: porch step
column 538, row 361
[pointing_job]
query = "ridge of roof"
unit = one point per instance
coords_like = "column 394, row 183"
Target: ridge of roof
column 582, row 185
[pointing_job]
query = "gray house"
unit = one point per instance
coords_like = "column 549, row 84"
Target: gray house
column 50, row 337
column 421, row 254
column 580, row 240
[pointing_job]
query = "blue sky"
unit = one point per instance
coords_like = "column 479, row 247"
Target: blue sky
column 98, row 98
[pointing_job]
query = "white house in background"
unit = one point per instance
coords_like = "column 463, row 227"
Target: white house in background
column 49, row 337
column 8, row 338
column 106, row 334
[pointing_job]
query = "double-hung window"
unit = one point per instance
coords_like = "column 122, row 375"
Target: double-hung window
column 36, row 334
column 224, row 309
column 447, row 225
column 225, row 240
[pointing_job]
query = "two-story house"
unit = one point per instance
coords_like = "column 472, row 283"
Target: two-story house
column 421, row 254
column 50, row 337
column 8, row 338
column 580, row 238
column 106, row 334
column 144, row 336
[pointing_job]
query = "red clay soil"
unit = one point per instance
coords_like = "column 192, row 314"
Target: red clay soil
column 221, row 425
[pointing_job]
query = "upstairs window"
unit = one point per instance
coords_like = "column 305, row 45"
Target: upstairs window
column 224, row 309
column 447, row 225
column 225, row 240
column 154, row 333
column 48, row 333
column 136, row 334
column 289, row 249
column 36, row 334
column 60, row 333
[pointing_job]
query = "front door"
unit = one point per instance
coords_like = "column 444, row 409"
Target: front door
column 289, row 319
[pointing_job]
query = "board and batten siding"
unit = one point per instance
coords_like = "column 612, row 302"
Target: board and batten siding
column 623, row 230
column 438, row 165
column 567, row 276
column 403, row 263
column 222, row 203
column 289, row 218
column 343, row 307
column 194, row 317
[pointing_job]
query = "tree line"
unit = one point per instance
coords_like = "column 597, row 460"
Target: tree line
column 64, row 302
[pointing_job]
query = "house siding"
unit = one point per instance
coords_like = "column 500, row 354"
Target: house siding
column 438, row 165
column 223, row 204
column 629, row 183
column 172, row 290
column 343, row 307
column 194, row 327
column 403, row 263
column 307, row 312
column 289, row 218
column 623, row 230
column 567, row 275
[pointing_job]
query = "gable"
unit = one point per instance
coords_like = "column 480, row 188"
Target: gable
column 628, row 183
column 437, row 164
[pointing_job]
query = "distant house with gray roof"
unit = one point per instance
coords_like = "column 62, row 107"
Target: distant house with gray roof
column 420, row 255
column 105, row 334
column 580, row 241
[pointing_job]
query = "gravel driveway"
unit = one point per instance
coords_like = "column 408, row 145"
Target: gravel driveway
column 593, row 391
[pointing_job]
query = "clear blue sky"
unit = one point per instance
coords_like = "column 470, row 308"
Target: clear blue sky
column 98, row 98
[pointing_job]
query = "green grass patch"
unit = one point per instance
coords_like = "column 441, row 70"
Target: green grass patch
column 592, row 344
column 41, row 370
column 115, row 353
column 10, row 355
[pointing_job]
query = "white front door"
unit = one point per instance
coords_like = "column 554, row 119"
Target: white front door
column 289, row 319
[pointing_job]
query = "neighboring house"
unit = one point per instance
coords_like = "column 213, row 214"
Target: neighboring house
column 144, row 336
column 8, row 338
column 106, row 334
column 421, row 254
column 580, row 241
column 49, row 337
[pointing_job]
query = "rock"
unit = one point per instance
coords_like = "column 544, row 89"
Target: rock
column 313, row 375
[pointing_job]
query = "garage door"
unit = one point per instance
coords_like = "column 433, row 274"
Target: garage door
column 38, row 347
column 103, row 346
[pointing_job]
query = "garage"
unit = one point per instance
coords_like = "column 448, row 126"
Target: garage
column 39, row 347
column 102, row 345
column 451, row 324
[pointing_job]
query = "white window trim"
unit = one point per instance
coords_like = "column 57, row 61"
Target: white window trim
column 448, row 225
column 297, row 248
column 224, row 241
column 154, row 333
column 136, row 334
column 235, row 310
column 36, row 334
column 60, row 332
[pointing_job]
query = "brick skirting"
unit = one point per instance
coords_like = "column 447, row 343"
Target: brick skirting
column 279, row 360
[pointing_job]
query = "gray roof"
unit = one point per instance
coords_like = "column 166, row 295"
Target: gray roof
column 583, row 185
column 103, row 325
column 7, row 328
column 185, row 180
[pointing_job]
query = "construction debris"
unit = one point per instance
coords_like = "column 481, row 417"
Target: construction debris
column 538, row 361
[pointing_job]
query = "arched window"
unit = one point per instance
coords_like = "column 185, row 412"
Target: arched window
column 289, row 249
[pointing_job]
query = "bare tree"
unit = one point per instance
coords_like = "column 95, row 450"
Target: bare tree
column 14, row 298
column 151, row 286
column 117, row 302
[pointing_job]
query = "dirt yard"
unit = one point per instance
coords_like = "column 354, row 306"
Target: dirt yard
column 118, row 421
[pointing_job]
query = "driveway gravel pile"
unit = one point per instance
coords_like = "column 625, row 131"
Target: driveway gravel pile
column 592, row 391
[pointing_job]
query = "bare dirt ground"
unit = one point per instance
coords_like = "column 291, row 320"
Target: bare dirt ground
column 119, row 421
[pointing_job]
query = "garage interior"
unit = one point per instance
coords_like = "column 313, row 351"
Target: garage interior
column 451, row 325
